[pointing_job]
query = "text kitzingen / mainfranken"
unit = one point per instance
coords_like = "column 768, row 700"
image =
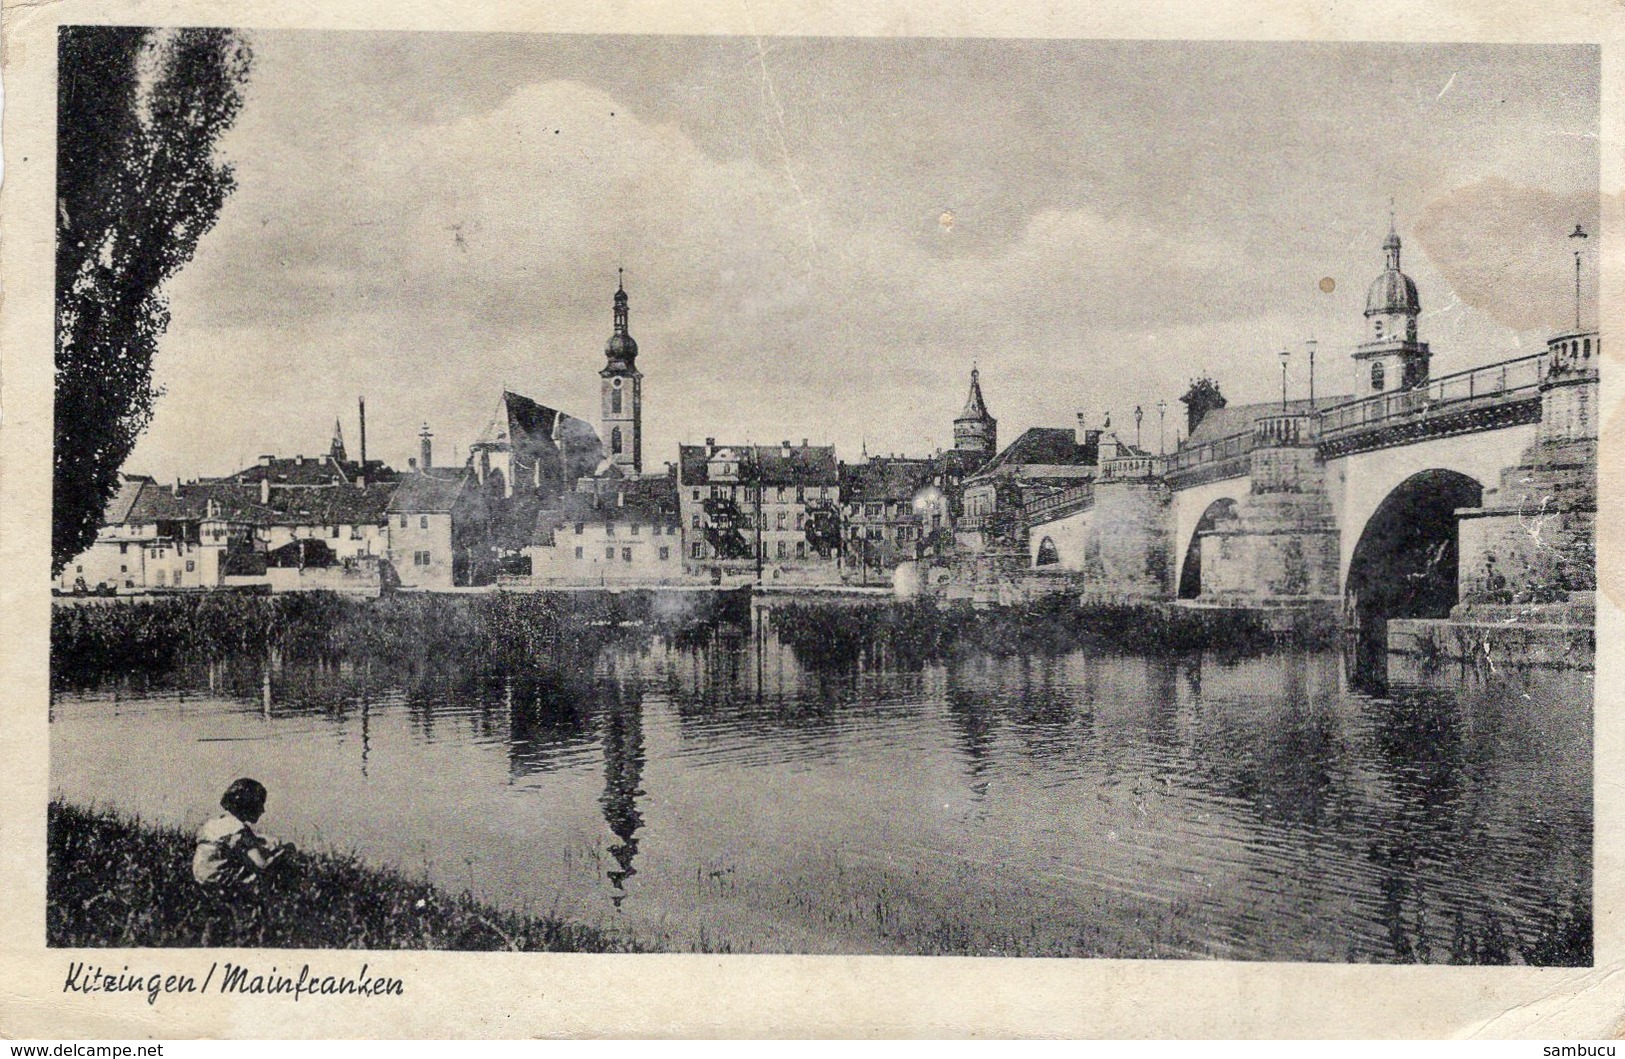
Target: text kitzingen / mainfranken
column 233, row 978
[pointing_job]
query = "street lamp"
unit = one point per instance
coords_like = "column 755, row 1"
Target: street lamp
column 1162, row 411
column 1311, row 346
column 1138, row 415
column 1286, row 355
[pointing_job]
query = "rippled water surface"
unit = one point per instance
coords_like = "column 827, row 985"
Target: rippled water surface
column 726, row 793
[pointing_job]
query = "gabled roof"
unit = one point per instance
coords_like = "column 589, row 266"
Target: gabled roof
column 310, row 472
column 1040, row 446
column 885, row 478
column 129, row 492
column 796, row 465
column 430, row 493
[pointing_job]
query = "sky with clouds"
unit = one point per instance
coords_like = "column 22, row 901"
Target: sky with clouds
column 821, row 236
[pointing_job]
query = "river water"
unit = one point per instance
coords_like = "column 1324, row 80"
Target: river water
column 724, row 792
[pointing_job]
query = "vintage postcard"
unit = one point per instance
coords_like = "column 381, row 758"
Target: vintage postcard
column 522, row 525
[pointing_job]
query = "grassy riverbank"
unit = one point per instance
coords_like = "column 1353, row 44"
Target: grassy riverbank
column 118, row 882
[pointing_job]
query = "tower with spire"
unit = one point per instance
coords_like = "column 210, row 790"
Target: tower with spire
column 621, row 411
column 1390, row 358
column 976, row 432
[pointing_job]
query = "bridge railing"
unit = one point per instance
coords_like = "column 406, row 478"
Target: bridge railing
column 1132, row 467
column 1059, row 504
column 1193, row 457
column 1488, row 384
column 1285, row 430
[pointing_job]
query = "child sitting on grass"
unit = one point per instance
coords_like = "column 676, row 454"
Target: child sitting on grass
column 230, row 854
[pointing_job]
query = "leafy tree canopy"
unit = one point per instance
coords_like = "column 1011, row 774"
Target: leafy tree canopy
column 139, row 111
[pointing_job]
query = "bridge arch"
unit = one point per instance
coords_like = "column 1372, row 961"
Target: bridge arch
column 1189, row 506
column 1404, row 564
column 1048, row 554
column 1190, row 567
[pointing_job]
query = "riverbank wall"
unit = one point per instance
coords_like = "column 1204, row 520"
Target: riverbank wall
column 1562, row 634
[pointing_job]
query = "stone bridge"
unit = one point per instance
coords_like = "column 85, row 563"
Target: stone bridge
column 1477, row 485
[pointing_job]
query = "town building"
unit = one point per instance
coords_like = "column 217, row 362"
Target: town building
column 610, row 530
column 890, row 507
column 438, row 526
column 760, row 510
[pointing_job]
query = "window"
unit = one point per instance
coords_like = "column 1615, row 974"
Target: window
column 694, row 550
column 423, row 522
column 1377, row 324
column 1376, row 375
column 578, row 551
column 335, row 533
column 801, row 549
column 615, row 399
column 124, row 549
column 1047, row 555
column 781, row 519
column 609, row 529
column 665, row 553
column 635, row 529
column 781, row 494
column 190, row 566
column 403, row 522
column 609, row 553
column 615, row 439
column 626, row 555
column 78, row 569
column 801, row 494
column 782, row 549
column 696, row 520
column 696, row 494
column 123, row 569
column 580, row 528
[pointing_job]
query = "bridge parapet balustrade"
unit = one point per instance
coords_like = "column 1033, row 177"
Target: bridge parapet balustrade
column 1286, row 431
column 1211, row 461
column 1132, row 467
column 1573, row 354
column 1467, row 400
column 1059, row 504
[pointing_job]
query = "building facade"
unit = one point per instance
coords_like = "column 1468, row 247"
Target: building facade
column 749, row 509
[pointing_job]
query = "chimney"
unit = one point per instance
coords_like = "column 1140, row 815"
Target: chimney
column 424, row 439
column 266, row 460
column 412, row 463
column 710, row 446
column 299, row 460
column 804, row 443
column 1082, row 432
column 784, row 448
column 265, row 490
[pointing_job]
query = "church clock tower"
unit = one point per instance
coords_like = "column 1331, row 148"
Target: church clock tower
column 1391, row 358
column 621, row 411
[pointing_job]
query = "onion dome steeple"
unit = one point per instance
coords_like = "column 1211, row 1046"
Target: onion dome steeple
column 621, row 349
column 1392, row 357
column 1393, row 291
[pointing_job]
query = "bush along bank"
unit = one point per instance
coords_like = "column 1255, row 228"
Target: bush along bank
column 924, row 630
column 115, row 882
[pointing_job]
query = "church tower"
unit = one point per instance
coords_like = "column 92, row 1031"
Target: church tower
column 1390, row 358
column 621, row 411
column 975, row 431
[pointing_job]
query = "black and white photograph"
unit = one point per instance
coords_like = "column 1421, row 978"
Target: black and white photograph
column 823, row 495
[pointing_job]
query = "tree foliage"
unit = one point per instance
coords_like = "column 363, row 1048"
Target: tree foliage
column 139, row 112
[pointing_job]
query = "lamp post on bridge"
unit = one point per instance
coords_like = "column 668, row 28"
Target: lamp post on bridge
column 1138, row 415
column 1162, row 411
column 1578, row 233
column 1310, row 345
column 1286, row 355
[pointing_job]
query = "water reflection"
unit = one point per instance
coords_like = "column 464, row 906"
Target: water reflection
column 879, row 800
